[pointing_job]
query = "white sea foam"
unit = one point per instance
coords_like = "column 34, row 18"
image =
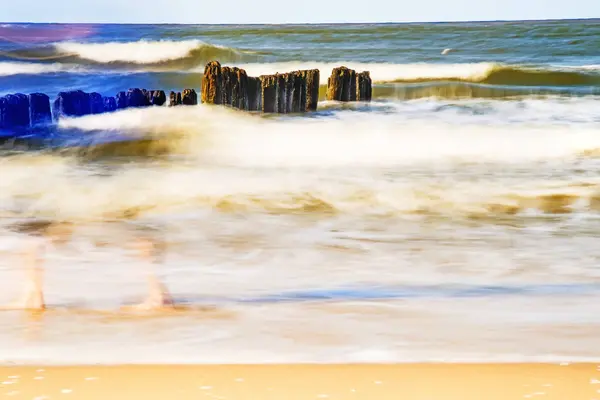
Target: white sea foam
column 230, row 225
column 18, row 68
column 140, row 52
column 591, row 67
column 354, row 138
column 381, row 72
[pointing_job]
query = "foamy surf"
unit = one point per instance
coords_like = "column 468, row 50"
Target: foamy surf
column 483, row 72
column 380, row 72
column 363, row 232
column 18, row 68
column 139, row 52
column 233, row 161
column 228, row 136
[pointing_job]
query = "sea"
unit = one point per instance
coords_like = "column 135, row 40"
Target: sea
column 454, row 218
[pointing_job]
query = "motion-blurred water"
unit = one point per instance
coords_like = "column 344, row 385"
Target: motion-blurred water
column 456, row 217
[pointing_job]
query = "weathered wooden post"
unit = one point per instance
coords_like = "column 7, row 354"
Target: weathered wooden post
column 137, row 98
column 300, row 92
column 157, row 97
column 292, row 92
column 269, row 93
column 121, row 99
column 189, row 97
column 312, row 78
column 96, row 103
column 239, row 88
column 345, row 84
column 174, row 99
column 296, row 91
column 110, row 104
column 14, row 111
column 225, row 85
column 75, row 103
column 364, row 86
column 254, row 94
column 338, row 84
column 212, row 84
column 40, row 112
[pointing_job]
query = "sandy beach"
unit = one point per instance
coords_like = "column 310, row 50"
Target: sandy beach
column 351, row 381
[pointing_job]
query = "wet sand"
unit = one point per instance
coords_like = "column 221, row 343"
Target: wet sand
column 356, row 381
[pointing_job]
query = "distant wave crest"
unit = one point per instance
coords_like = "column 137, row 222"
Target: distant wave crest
column 23, row 68
column 191, row 55
column 510, row 75
column 143, row 54
column 144, row 51
column 481, row 73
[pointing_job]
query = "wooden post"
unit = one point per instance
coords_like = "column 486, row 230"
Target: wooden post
column 212, row 84
column 346, row 85
column 96, row 103
column 254, row 94
column 312, row 78
column 75, row 103
column 189, row 97
column 269, row 93
column 175, row 99
column 110, row 104
column 39, row 109
column 364, row 87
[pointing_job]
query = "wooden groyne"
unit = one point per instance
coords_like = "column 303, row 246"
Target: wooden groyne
column 291, row 92
column 20, row 111
column 346, row 85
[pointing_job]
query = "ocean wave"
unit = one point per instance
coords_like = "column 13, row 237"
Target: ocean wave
column 401, row 138
column 192, row 55
column 59, row 189
column 482, row 73
column 590, row 67
column 509, row 75
column 467, row 90
column 238, row 162
column 22, row 68
column 154, row 55
column 146, row 55
column 141, row 52
column 380, row 72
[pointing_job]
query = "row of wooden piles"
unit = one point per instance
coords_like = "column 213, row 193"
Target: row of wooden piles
column 18, row 111
column 291, row 92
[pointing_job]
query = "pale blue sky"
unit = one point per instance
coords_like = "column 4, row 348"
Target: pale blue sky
column 280, row 11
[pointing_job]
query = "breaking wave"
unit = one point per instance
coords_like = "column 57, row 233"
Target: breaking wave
column 148, row 52
column 237, row 162
column 191, row 55
column 21, row 68
column 143, row 54
column 498, row 74
column 347, row 138
column 481, row 73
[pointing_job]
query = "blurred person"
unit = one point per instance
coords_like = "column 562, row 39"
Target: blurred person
column 42, row 234
column 150, row 250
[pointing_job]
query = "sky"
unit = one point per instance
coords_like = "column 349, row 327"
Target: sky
column 281, row 11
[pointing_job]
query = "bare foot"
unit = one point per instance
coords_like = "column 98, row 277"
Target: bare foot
column 158, row 297
column 33, row 296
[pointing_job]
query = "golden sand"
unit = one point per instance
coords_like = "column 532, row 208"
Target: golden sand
column 357, row 382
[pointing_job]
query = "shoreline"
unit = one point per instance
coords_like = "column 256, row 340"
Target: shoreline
column 415, row 381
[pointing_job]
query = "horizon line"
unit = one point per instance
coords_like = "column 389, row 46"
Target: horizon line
column 313, row 23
